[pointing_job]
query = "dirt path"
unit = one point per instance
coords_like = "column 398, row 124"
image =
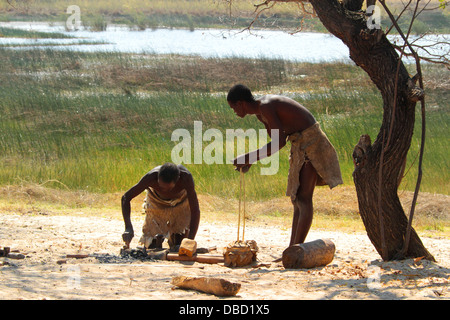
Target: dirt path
column 355, row 273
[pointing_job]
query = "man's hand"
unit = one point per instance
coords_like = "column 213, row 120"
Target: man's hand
column 241, row 163
column 127, row 236
column 243, row 167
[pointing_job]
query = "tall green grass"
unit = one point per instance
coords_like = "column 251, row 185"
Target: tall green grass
column 17, row 33
column 99, row 121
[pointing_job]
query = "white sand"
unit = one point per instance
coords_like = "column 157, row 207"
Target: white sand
column 355, row 273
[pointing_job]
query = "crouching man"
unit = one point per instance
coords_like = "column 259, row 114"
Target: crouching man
column 171, row 207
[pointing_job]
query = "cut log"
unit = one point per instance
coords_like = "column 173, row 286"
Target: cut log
column 309, row 255
column 215, row 286
column 188, row 247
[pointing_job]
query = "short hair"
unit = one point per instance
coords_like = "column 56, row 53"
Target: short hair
column 169, row 172
column 240, row 92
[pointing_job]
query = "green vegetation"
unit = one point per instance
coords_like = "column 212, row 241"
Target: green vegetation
column 17, row 33
column 99, row 121
column 26, row 34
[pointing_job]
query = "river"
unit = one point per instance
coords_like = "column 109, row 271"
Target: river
column 220, row 43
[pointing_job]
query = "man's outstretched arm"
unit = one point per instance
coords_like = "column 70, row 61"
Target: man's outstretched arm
column 133, row 192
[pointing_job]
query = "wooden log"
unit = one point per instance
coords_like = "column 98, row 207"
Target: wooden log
column 209, row 258
column 215, row 286
column 201, row 258
column 188, row 247
column 78, row 256
column 309, row 255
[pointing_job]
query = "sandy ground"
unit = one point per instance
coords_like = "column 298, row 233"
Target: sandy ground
column 355, row 273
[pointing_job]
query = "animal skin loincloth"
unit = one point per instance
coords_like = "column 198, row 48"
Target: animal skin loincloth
column 312, row 145
column 164, row 217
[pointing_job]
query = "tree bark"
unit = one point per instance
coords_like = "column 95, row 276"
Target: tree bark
column 371, row 50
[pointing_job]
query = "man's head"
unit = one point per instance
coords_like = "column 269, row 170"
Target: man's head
column 240, row 92
column 168, row 176
column 238, row 96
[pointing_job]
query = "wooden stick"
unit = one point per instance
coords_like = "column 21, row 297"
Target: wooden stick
column 241, row 196
column 203, row 258
column 77, row 256
column 166, row 266
column 239, row 214
column 211, row 259
column 243, row 184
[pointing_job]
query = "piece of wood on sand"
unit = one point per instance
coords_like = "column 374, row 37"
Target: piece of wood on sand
column 308, row 255
column 240, row 253
column 188, row 247
column 216, row 286
column 200, row 258
column 77, row 256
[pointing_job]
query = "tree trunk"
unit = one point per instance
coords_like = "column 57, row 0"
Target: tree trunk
column 371, row 51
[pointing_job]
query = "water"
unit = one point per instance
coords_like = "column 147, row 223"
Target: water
column 303, row 46
column 312, row 47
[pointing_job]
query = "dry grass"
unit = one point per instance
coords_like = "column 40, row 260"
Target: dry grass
column 335, row 209
column 117, row 8
column 174, row 72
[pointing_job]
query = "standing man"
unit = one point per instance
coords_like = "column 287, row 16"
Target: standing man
column 171, row 207
column 313, row 160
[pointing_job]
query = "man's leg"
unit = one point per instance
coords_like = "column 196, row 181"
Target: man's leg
column 157, row 242
column 303, row 206
column 175, row 240
column 294, row 223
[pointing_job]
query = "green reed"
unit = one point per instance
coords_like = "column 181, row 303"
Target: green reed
column 99, row 121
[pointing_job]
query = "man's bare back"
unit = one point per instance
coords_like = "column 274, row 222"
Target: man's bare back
column 278, row 112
